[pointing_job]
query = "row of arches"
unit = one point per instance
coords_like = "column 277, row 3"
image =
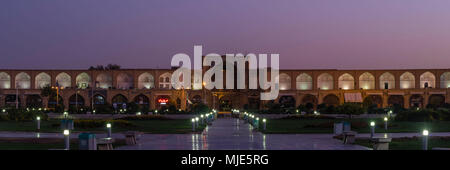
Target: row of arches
column 346, row 81
column 83, row 80
column 415, row 100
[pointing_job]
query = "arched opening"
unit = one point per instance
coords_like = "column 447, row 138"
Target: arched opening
column 325, row 82
column 331, row 100
column 436, row 100
column 310, row 101
column 287, row 102
column 416, row 100
column 445, row 80
column 52, row 101
column 407, row 81
column 76, row 100
column 366, row 81
column 285, row 81
column 34, row 101
column 346, row 82
column 387, row 81
column 373, row 101
column 124, row 81
column 23, row 81
column 304, row 82
column 427, row 80
column 83, row 80
column 42, row 80
column 5, row 81
column 99, row 100
column 225, row 103
column 396, row 101
column 64, row 80
column 104, row 81
column 146, row 81
column 197, row 99
column 119, row 100
column 10, row 100
column 142, row 100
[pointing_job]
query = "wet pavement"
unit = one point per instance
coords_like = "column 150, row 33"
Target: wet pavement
column 234, row 134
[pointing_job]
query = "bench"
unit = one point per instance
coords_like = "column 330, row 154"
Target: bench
column 381, row 143
column 130, row 137
column 349, row 137
column 105, row 143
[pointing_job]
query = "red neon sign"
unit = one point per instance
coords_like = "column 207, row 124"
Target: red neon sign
column 163, row 100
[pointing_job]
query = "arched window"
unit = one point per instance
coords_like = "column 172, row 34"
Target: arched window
column 5, row 80
column 325, row 82
column 367, row 81
column 83, row 80
column 164, row 81
column 387, row 81
column 104, row 81
column 304, row 82
column 407, row 81
column 146, row 81
column 285, row 81
column 346, row 82
column 42, row 80
column 64, row 80
column 23, row 81
column 124, row 81
column 445, row 80
column 427, row 79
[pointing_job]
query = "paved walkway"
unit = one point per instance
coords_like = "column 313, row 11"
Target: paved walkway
column 230, row 134
column 234, row 134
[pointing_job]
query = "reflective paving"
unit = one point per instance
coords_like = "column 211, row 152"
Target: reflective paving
column 234, row 134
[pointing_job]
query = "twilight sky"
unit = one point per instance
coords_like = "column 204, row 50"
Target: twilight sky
column 308, row 34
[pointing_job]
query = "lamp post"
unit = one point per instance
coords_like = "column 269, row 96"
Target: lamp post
column 372, row 129
column 17, row 95
column 425, row 139
column 38, row 119
column 196, row 122
column 108, row 127
column 264, row 124
column 193, row 124
column 66, row 139
column 385, row 123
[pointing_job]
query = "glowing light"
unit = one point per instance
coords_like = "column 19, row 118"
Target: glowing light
column 108, row 125
column 372, row 124
column 66, row 132
column 264, row 120
column 385, row 119
column 38, row 118
column 193, row 120
column 425, row 132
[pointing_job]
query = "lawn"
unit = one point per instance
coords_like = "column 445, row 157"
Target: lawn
column 414, row 143
column 292, row 126
column 43, row 143
column 174, row 126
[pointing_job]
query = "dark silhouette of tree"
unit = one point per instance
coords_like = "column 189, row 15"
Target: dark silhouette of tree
column 107, row 67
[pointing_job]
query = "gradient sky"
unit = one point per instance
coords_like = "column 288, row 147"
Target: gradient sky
column 308, row 34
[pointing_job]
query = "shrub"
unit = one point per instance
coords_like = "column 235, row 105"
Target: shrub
column 79, row 123
column 78, row 110
column 309, row 116
column 104, row 109
column 144, row 117
column 418, row 115
column 350, row 109
column 25, row 115
column 200, row 108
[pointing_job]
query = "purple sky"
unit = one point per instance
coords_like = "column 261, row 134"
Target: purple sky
column 308, row 34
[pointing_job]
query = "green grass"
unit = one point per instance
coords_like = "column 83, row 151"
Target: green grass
column 292, row 126
column 176, row 126
column 43, row 143
column 410, row 143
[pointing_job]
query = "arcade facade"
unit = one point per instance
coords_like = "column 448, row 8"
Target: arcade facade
column 152, row 87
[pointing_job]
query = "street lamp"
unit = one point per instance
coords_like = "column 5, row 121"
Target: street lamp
column 425, row 134
column 108, row 127
column 372, row 129
column 193, row 124
column 38, row 119
column 66, row 139
column 385, row 123
column 264, row 124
